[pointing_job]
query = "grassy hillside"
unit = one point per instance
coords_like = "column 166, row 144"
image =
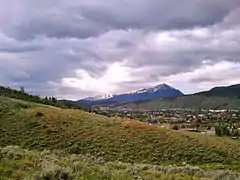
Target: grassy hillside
column 38, row 127
column 9, row 106
column 21, row 94
column 225, row 91
column 191, row 101
column 18, row 163
column 52, row 101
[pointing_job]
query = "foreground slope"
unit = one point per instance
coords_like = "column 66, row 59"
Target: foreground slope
column 18, row 163
column 39, row 127
column 115, row 139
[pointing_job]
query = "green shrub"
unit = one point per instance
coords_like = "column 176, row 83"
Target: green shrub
column 53, row 172
column 175, row 127
column 17, row 163
column 39, row 114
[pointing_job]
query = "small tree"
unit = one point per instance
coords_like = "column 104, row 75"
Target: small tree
column 218, row 131
column 197, row 123
column 54, row 100
column 222, row 130
column 175, row 127
column 22, row 90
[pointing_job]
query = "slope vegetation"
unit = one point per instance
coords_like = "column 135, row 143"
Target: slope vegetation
column 225, row 91
column 40, row 127
column 18, row 163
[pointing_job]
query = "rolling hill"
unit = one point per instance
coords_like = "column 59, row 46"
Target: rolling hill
column 225, row 91
column 216, row 98
column 39, row 127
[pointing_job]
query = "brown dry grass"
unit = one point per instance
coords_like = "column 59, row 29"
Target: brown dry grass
column 129, row 141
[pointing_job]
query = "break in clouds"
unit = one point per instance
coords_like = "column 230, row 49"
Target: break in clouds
column 72, row 49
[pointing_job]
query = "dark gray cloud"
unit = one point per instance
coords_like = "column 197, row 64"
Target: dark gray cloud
column 19, row 49
column 124, row 44
column 61, row 26
column 10, row 45
column 205, row 79
column 160, row 14
column 43, row 43
column 84, row 20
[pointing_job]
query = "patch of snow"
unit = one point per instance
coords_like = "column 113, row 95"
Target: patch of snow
column 141, row 91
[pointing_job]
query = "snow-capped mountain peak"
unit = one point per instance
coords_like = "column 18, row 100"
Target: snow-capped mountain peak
column 159, row 91
column 154, row 89
column 162, row 87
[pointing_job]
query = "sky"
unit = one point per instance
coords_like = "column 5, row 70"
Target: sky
column 73, row 49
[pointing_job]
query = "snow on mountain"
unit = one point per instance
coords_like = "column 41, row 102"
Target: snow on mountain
column 160, row 87
column 140, row 91
column 159, row 91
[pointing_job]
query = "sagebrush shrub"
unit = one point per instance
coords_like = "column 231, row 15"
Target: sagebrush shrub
column 39, row 114
column 54, row 172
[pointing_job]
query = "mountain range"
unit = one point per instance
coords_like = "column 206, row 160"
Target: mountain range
column 159, row 91
column 165, row 96
column 225, row 97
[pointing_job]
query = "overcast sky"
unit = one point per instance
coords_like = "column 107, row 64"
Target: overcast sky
column 73, row 49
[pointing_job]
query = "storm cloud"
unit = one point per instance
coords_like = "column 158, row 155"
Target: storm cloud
column 72, row 49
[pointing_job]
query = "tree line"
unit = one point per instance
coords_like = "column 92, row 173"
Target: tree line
column 227, row 130
column 21, row 94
